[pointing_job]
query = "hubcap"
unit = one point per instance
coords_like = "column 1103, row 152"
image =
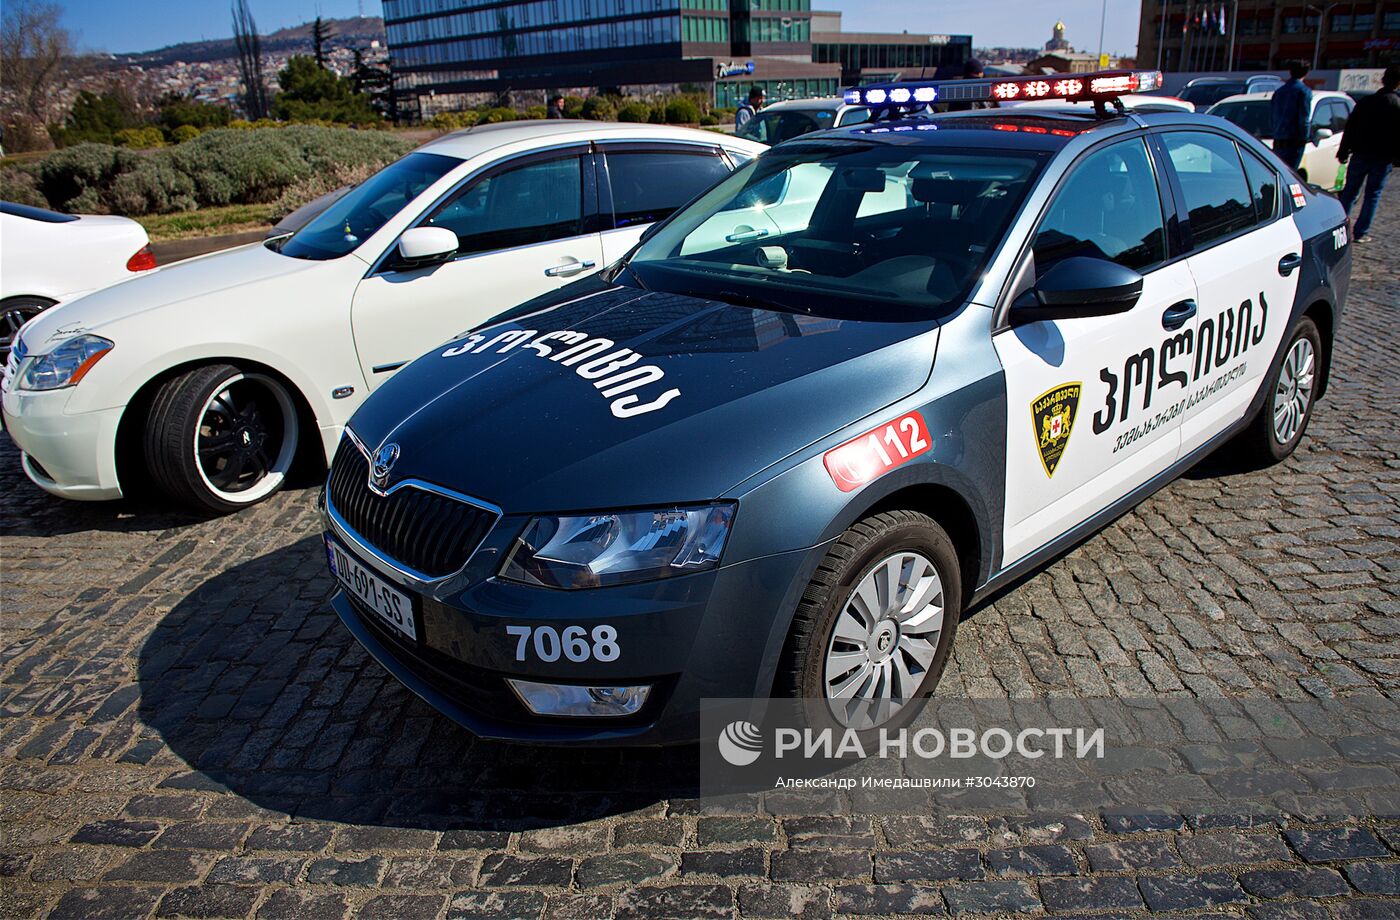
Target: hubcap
column 885, row 639
column 1293, row 396
column 246, row 438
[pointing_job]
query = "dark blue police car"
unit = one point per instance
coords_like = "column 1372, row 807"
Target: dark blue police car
column 868, row 379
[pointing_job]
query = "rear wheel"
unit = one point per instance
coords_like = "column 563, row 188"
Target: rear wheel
column 1288, row 403
column 875, row 626
column 220, row 439
column 14, row 313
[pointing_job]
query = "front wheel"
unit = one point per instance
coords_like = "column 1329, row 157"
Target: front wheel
column 1288, row 402
column 875, row 626
column 14, row 313
column 220, row 439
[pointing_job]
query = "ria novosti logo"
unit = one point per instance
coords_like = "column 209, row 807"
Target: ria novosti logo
column 741, row 743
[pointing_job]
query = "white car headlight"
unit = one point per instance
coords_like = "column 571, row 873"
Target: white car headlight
column 65, row 365
column 595, row 550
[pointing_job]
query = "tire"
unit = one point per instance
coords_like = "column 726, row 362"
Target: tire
column 1290, row 394
column 834, row 597
column 15, row 312
column 219, row 439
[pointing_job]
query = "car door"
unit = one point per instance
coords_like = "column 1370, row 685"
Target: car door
column 1244, row 258
column 1320, row 155
column 1092, row 403
column 641, row 183
column 524, row 227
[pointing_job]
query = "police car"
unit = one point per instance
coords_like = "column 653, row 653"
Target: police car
column 856, row 387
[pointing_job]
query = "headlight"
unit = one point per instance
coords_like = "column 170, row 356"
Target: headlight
column 65, row 365
column 594, row 550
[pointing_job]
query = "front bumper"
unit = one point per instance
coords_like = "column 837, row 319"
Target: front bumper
column 710, row 635
column 71, row 455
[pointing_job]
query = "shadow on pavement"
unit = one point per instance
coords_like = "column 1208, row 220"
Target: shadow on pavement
column 252, row 682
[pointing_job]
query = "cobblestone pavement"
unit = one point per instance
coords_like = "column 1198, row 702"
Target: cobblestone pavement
column 186, row 729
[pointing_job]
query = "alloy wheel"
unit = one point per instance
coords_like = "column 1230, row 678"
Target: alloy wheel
column 884, row 640
column 246, row 438
column 1293, row 395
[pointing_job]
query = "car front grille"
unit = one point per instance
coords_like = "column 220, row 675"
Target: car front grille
column 432, row 534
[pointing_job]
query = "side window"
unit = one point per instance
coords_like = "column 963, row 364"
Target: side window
column 649, row 186
column 1218, row 202
column 854, row 117
column 1340, row 112
column 1108, row 208
column 1263, row 186
column 1321, row 115
column 533, row 203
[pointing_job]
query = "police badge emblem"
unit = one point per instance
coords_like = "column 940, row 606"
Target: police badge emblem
column 1052, row 420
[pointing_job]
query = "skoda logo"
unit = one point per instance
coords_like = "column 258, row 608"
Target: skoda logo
column 384, row 460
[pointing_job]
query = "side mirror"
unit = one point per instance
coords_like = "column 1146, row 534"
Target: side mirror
column 423, row 246
column 1321, row 134
column 1078, row 287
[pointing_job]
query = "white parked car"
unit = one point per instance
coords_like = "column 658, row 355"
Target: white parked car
column 47, row 258
column 207, row 375
column 1135, row 102
column 783, row 121
column 1329, row 117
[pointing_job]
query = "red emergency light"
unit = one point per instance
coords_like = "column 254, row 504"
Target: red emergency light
column 1089, row 87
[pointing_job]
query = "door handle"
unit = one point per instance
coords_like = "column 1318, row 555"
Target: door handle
column 1288, row 263
column 571, row 267
column 1177, row 314
column 745, row 234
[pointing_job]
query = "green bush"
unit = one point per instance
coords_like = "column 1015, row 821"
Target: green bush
column 453, row 121
column 219, row 167
column 682, row 111
column 21, row 185
column 599, row 108
column 310, row 92
column 535, row 112
column 143, row 138
column 494, row 114
column 707, row 121
column 657, row 115
column 184, row 133
column 573, row 106
column 77, row 173
column 176, row 113
column 634, row 111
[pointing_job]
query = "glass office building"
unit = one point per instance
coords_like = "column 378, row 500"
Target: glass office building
column 446, row 47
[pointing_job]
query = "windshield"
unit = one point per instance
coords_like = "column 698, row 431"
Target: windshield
column 1254, row 116
column 776, row 127
column 353, row 219
column 841, row 226
column 1211, row 93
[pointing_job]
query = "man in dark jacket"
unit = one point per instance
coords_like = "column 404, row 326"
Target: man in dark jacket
column 1291, row 108
column 1370, row 146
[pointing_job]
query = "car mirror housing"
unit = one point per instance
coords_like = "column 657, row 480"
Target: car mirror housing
column 1078, row 287
column 420, row 246
column 1321, row 134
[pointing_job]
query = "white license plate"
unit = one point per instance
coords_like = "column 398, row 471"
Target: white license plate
column 394, row 607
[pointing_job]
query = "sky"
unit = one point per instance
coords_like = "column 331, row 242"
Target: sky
column 144, row 25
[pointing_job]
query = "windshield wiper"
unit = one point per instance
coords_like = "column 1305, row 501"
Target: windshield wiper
column 741, row 299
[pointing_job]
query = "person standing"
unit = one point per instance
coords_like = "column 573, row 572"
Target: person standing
column 555, row 109
column 1370, row 146
column 1291, row 108
column 749, row 108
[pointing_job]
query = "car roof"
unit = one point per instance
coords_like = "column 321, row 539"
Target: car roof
column 1258, row 97
column 820, row 104
column 992, row 129
column 474, row 141
column 1134, row 101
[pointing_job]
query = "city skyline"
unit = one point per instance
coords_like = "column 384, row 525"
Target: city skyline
column 145, row 25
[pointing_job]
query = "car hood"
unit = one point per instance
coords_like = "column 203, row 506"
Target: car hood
column 207, row 282
column 533, row 414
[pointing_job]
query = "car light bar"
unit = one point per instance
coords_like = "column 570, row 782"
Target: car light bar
column 1069, row 87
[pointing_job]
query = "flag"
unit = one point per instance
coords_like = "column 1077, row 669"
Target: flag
column 1222, row 18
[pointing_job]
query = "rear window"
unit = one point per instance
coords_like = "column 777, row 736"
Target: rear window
column 1254, row 116
column 1211, row 93
column 776, row 127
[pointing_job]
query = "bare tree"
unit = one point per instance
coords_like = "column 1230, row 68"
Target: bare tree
column 36, row 57
column 250, row 60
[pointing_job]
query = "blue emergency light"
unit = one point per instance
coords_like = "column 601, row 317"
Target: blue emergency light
column 1088, row 87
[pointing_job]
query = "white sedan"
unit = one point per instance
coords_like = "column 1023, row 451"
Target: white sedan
column 207, row 375
column 1327, row 121
column 48, row 258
